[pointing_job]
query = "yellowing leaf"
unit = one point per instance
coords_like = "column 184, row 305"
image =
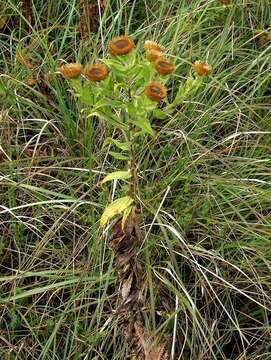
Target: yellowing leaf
column 115, row 208
column 117, row 175
column 126, row 213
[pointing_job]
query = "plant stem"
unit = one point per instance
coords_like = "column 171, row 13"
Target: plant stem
column 133, row 184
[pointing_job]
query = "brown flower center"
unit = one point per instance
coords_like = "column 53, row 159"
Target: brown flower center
column 155, row 89
column 121, row 44
column 163, row 64
column 95, row 71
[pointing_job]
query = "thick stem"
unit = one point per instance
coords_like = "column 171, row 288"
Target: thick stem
column 133, row 184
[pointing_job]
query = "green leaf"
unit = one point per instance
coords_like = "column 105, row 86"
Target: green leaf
column 115, row 65
column 159, row 114
column 123, row 146
column 185, row 90
column 117, row 175
column 144, row 124
column 86, row 96
column 107, row 102
column 144, row 104
column 131, row 108
column 118, row 156
column 76, row 84
column 115, row 208
column 110, row 118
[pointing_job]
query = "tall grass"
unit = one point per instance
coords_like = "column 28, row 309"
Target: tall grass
column 204, row 187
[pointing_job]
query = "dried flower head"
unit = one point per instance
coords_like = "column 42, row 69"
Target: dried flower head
column 202, row 68
column 120, row 45
column 70, row 71
column 153, row 55
column 155, row 91
column 96, row 72
column 164, row 66
column 152, row 45
column 31, row 81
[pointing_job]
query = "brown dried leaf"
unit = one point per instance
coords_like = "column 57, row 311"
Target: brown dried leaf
column 152, row 350
column 157, row 353
column 130, row 223
column 126, row 287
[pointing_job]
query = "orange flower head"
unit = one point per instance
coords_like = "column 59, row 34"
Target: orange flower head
column 202, row 68
column 152, row 45
column 153, row 55
column 120, row 45
column 70, row 71
column 155, row 91
column 96, row 72
column 164, row 66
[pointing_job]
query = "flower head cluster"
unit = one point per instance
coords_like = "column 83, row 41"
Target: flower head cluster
column 155, row 54
column 156, row 91
column 123, row 45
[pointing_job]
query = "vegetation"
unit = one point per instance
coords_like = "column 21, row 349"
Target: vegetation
column 200, row 283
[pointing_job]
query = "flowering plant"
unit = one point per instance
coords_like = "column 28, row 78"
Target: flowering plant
column 124, row 91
